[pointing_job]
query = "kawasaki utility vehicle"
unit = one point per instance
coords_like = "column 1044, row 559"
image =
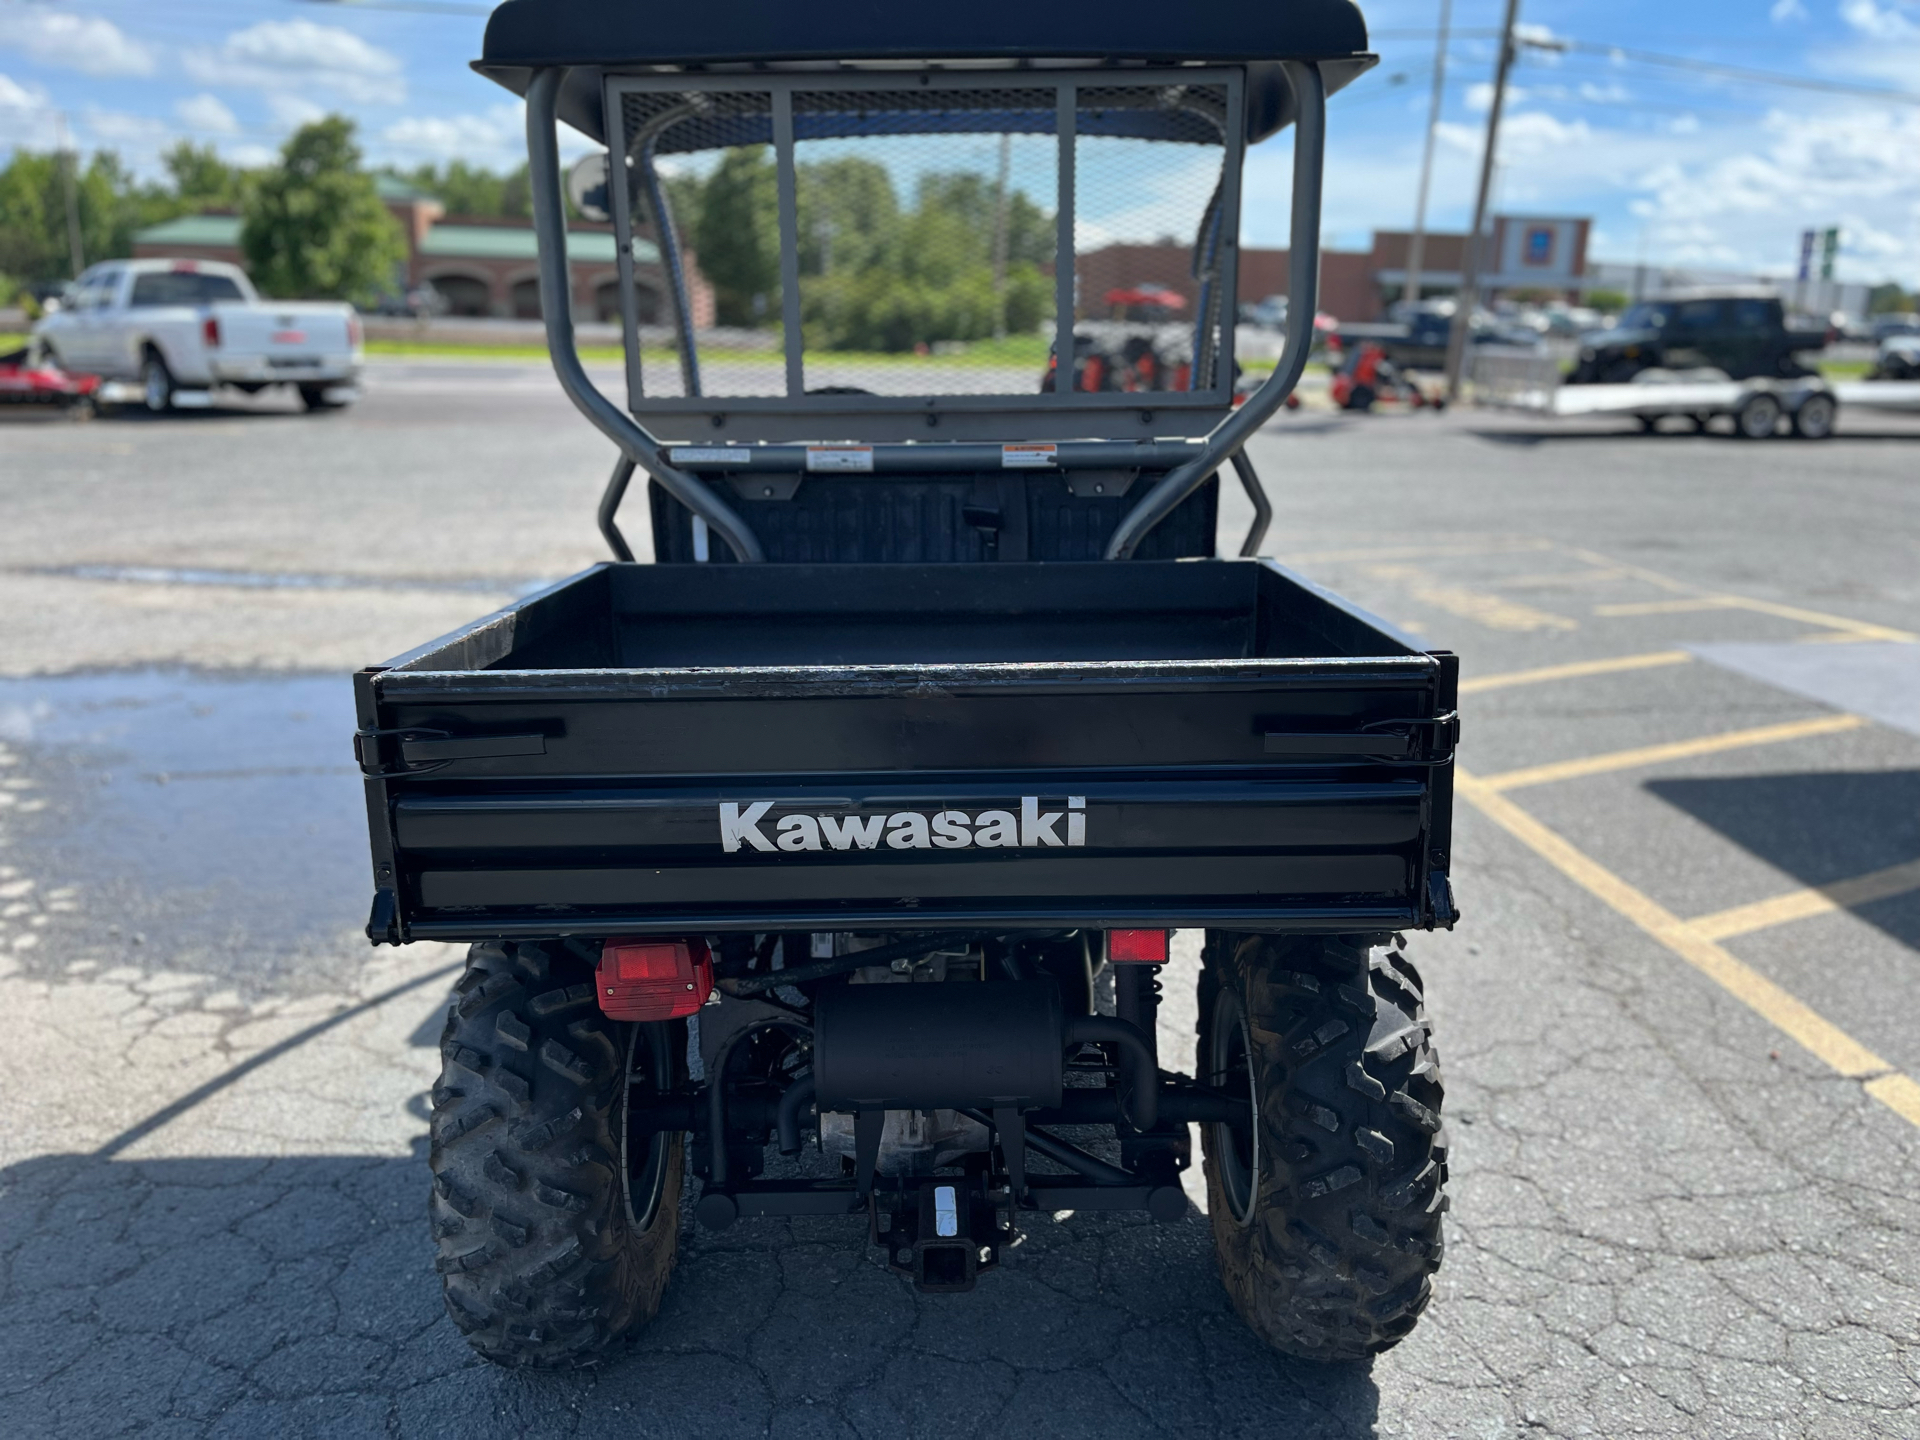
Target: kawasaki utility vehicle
column 826, row 865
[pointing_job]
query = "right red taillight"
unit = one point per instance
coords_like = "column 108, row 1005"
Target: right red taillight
column 210, row 331
column 651, row 979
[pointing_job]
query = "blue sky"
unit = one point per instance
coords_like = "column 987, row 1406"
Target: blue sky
column 1677, row 165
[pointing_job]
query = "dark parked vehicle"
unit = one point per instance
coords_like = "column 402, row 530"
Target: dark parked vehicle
column 1419, row 339
column 1742, row 333
column 1898, row 358
column 844, row 818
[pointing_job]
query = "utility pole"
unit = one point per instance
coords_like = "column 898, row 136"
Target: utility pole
column 76, row 252
column 1470, row 260
column 1001, row 201
column 1417, row 245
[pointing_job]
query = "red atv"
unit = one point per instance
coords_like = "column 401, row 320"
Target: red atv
column 30, row 378
column 1367, row 376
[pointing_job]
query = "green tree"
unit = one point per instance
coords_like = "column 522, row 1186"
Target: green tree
column 471, row 190
column 1890, row 299
column 314, row 224
column 1608, row 300
column 737, row 237
column 847, row 215
column 34, row 242
column 202, row 180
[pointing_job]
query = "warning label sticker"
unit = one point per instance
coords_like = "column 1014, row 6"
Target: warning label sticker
column 1029, row 457
column 709, row 455
column 840, row 457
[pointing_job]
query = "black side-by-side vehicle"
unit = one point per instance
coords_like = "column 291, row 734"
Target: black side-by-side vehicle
column 828, row 864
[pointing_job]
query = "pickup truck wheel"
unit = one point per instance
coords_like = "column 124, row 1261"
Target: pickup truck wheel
column 1326, row 1208
column 314, row 397
column 555, row 1222
column 156, row 383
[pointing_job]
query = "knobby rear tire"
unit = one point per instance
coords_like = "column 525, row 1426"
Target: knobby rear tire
column 1327, row 1218
column 549, row 1244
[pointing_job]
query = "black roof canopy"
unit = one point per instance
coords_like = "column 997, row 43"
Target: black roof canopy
column 597, row 35
column 713, row 32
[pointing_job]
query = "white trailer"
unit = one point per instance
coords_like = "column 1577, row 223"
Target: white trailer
column 1760, row 408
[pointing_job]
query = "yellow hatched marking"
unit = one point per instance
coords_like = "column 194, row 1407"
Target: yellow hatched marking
column 1418, row 552
column 1494, row 611
column 1662, row 607
column 1864, row 629
column 1813, row 1032
column 1674, row 750
column 1847, row 894
column 1479, row 684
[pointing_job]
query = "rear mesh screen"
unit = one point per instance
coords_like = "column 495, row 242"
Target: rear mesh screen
column 925, row 227
column 927, row 234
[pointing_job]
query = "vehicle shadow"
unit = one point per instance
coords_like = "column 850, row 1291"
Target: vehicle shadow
column 1560, row 436
column 294, row 1295
column 1820, row 828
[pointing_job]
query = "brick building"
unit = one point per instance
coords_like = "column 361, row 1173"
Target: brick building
column 1541, row 255
column 484, row 267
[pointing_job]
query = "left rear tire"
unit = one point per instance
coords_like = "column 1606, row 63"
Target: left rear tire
column 556, row 1219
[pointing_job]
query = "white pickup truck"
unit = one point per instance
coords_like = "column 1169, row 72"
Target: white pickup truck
column 180, row 328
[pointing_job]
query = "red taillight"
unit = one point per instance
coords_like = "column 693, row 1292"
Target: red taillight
column 210, row 331
column 1137, row 947
column 653, row 979
column 353, row 332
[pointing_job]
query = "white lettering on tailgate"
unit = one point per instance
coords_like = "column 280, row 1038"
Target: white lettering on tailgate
column 1032, row 828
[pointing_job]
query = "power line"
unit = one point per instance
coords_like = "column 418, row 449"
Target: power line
column 1672, row 62
column 1741, row 72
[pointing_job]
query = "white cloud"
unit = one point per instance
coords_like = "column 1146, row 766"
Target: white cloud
column 292, row 111
column 118, row 128
column 1786, row 10
column 205, row 113
column 87, row 43
column 495, row 138
column 14, row 96
column 1480, row 96
column 276, row 54
column 1870, row 20
column 25, row 119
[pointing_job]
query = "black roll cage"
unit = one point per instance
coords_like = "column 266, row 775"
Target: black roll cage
column 1184, row 463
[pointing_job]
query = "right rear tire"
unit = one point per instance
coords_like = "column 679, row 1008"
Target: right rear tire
column 1326, row 1209
column 556, row 1222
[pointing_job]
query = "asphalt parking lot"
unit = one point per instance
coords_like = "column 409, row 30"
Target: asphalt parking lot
column 1678, row 1019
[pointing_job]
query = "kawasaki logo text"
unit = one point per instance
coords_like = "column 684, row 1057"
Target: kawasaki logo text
column 906, row 830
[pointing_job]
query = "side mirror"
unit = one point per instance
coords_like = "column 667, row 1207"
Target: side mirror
column 587, row 187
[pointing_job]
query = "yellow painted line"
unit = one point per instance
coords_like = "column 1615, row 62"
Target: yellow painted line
column 1481, row 683
column 1813, row 1032
column 1804, row 904
column 1494, row 611
column 1418, row 552
column 1865, row 629
column 1674, row 750
column 1662, row 607
column 1899, row 1093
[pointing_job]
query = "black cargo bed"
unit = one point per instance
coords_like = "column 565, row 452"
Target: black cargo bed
column 1217, row 743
